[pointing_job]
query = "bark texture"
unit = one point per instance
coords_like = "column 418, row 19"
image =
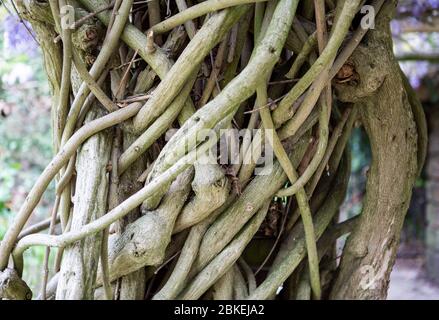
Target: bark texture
column 80, row 261
column 12, row 287
column 178, row 230
column 388, row 119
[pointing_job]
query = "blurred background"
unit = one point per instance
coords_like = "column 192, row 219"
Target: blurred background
column 26, row 147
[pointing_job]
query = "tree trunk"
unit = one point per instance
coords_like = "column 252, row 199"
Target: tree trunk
column 387, row 115
column 183, row 228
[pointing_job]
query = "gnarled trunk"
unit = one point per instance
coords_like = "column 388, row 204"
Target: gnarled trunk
column 150, row 219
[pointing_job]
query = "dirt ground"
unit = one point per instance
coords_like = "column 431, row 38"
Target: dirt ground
column 408, row 281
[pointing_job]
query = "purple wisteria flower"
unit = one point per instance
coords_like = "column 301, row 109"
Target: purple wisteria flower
column 17, row 35
column 411, row 15
column 418, row 8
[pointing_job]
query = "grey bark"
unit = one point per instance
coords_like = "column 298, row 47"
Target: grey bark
column 387, row 115
column 80, row 261
column 143, row 243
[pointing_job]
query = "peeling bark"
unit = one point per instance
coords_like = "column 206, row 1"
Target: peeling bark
column 80, row 261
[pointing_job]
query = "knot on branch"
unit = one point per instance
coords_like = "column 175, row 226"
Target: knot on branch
column 12, row 287
column 211, row 188
column 87, row 36
column 362, row 75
